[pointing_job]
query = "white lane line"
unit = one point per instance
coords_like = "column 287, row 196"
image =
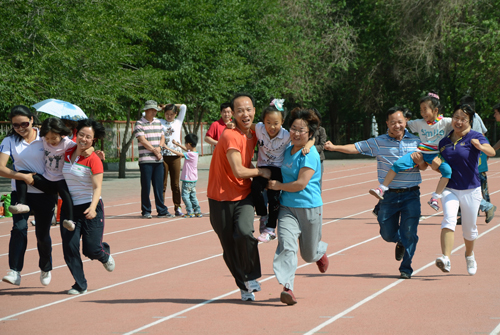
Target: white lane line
column 385, row 289
column 107, row 287
column 134, row 279
column 166, row 318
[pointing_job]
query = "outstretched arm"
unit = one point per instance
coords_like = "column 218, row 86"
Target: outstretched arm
column 346, row 149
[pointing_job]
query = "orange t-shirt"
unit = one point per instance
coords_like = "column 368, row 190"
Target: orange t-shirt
column 222, row 184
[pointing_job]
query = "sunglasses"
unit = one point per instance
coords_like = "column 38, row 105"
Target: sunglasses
column 20, row 125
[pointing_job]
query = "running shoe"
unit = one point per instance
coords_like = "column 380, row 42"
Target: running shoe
column 377, row 193
column 287, row 297
column 405, row 275
column 252, row 286
column 69, row 225
column 19, row 209
column 434, row 204
column 187, row 216
column 178, row 212
column 13, row 277
column 400, row 251
column 490, row 214
column 198, row 215
column 247, row 296
column 443, row 263
column 323, row 263
column 45, row 278
column 74, row 291
column 110, row 264
column 471, row 264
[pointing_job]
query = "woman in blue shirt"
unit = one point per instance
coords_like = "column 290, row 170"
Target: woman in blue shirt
column 461, row 149
column 301, row 210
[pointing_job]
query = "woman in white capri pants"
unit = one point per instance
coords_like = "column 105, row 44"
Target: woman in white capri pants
column 300, row 216
column 461, row 149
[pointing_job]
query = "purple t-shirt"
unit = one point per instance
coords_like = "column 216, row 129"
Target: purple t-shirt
column 463, row 158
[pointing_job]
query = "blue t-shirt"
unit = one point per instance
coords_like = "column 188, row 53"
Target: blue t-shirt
column 310, row 196
column 463, row 158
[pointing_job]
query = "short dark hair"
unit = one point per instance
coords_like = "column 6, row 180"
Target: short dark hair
column 192, row 139
column 99, row 130
column 467, row 109
column 496, row 107
column 468, row 100
column 55, row 125
column 407, row 113
column 225, row 105
column 239, row 95
column 393, row 110
column 308, row 115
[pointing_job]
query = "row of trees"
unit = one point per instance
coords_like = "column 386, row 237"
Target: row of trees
column 350, row 59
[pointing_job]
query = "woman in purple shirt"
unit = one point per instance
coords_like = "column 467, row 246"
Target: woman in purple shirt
column 461, row 149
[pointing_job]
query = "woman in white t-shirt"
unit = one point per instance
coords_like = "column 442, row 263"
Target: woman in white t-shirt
column 172, row 125
column 24, row 146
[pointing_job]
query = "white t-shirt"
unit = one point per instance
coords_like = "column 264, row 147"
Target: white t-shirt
column 25, row 156
column 54, row 158
column 271, row 151
column 172, row 130
column 478, row 124
column 430, row 134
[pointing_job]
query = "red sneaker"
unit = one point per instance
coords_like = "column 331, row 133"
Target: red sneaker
column 287, row 297
column 323, row 263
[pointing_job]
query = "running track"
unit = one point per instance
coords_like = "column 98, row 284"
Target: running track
column 170, row 277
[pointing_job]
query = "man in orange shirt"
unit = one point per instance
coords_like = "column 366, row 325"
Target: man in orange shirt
column 229, row 198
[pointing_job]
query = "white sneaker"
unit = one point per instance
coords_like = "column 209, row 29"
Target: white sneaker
column 19, row 209
column 13, row 277
column 110, row 264
column 443, row 263
column 252, row 286
column 471, row 264
column 247, row 296
column 69, row 225
column 45, row 278
column 74, row 291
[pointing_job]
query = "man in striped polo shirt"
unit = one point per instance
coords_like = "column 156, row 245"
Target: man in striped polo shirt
column 399, row 211
column 149, row 133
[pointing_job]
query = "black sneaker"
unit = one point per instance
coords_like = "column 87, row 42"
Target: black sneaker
column 166, row 215
column 400, row 251
column 405, row 275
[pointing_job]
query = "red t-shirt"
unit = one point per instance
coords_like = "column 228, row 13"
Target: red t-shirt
column 216, row 129
column 222, row 184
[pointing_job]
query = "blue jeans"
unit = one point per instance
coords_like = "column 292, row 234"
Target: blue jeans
column 152, row 173
column 485, row 202
column 188, row 193
column 398, row 218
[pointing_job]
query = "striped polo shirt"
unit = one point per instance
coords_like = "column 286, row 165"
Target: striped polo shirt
column 388, row 150
column 78, row 176
column 152, row 131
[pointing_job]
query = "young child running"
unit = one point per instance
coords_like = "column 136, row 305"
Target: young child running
column 189, row 174
column 272, row 142
column 432, row 128
column 55, row 143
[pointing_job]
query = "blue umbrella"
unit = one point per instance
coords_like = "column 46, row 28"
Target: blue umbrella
column 61, row 109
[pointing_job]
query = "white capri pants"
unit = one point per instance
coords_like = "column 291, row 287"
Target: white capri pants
column 468, row 201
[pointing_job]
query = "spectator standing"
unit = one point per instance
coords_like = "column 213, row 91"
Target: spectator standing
column 172, row 126
column 216, row 128
column 149, row 133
